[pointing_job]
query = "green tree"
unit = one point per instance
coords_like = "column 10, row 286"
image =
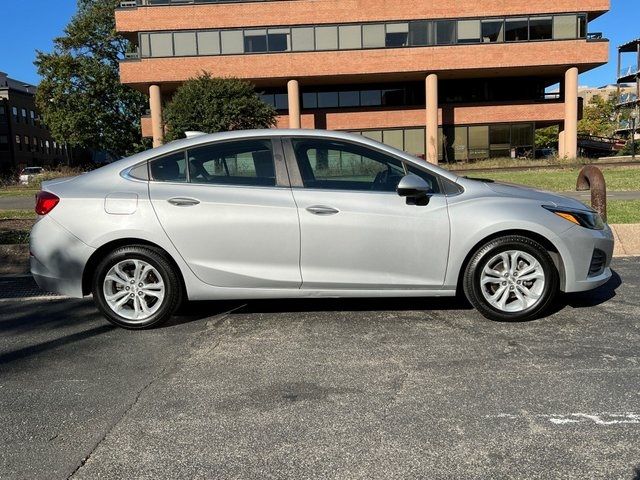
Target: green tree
column 80, row 98
column 210, row 105
column 598, row 118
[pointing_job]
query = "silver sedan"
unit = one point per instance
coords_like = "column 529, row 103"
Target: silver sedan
column 297, row 213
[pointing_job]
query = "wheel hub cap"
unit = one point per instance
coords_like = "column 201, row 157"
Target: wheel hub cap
column 512, row 281
column 134, row 289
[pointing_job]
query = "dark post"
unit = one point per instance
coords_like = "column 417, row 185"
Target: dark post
column 591, row 177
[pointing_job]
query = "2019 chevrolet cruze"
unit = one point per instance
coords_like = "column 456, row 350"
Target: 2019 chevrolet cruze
column 301, row 213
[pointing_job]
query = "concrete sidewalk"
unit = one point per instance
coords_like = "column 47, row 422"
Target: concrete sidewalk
column 627, row 239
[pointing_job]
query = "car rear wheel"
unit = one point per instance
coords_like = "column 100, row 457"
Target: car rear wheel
column 511, row 278
column 135, row 287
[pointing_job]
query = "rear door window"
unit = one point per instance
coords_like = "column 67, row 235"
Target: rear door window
column 243, row 162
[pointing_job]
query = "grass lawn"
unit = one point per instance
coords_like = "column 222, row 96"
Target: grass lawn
column 12, row 214
column 564, row 180
column 18, row 191
column 623, row 211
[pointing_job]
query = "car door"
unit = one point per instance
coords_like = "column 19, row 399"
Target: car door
column 228, row 209
column 356, row 231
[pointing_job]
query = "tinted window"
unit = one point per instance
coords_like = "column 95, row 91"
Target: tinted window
column 344, row 166
column 171, row 168
column 540, row 28
column 517, row 29
column 246, row 162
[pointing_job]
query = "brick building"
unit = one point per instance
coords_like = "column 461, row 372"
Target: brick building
column 24, row 140
column 448, row 80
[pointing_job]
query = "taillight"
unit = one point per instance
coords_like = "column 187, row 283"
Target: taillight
column 45, row 202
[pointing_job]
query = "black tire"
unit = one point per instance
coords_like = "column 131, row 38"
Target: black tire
column 156, row 258
column 473, row 272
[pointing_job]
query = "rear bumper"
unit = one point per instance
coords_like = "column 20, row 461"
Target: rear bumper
column 579, row 244
column 57, row 258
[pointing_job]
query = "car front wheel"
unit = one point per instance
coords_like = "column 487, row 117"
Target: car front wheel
column 511, row 278
column 135, row 287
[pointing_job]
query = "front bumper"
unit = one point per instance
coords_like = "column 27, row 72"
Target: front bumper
column 578, row 245
column 58, row 258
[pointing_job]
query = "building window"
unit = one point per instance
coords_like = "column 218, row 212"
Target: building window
column 349, row 99
column 279, row 40
column 328, row 99
column 14, row 111
column 517, row 29
column 350, row 37
column 23, row 111
column 209, row 43
column 397, row 35
column 445, row 32
column 565, row 27
column 371, row 98
column 310, row 100
column 469, row 31
column 3, row 111
column 582, row 26
column 540, row 28
column 493, row 31
column 48, row 147
column 302, row 39
column 255, row 41
column 326, row 38
column 145, row 46
column 373, row 35
column 421, row 33
column 32, row 117
column 4, row 142
column 232, row 41
column 185, row 44
column 161, row 44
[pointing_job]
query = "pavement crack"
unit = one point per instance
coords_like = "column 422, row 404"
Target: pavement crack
column 119, row 418
column 210, row 324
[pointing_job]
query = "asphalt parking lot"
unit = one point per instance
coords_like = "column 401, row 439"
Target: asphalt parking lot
column 324, row 389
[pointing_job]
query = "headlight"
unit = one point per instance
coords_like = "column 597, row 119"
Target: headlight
column 585, row 218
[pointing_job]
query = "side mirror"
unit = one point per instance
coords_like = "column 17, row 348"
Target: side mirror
column 413, row 186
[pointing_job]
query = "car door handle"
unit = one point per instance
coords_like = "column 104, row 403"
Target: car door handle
column 183, row 202
column 322, row 210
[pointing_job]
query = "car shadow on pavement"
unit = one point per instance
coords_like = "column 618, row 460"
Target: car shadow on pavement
column 591, row 298
column 195, row 310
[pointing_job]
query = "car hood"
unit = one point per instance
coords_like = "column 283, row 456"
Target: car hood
column 548, row 198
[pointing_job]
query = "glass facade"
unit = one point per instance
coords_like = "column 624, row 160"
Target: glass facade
column 461, row 143
column 414, row 33
column 412, row 94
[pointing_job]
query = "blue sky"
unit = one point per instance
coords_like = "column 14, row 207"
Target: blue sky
column 41, row 21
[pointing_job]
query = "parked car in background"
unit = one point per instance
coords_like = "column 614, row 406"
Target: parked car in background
column 27, row 175
column 303, row 213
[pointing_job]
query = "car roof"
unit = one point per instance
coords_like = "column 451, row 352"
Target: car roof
column 204, row 139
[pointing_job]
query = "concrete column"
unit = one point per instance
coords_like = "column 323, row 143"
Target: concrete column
column 571, row 113
column 432, row 118
column 561, row 146
column 293, row 92
column 155, row 104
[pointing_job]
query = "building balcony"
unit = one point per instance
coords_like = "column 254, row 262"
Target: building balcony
column 150, row 15
column 355, row 66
